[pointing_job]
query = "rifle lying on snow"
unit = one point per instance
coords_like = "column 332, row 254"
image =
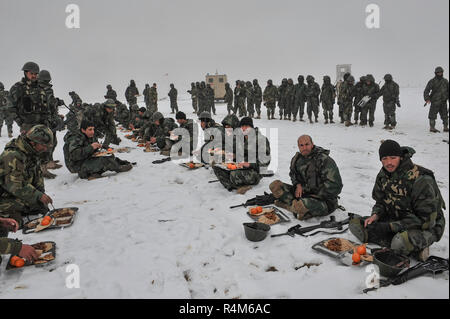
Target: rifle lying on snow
column 433, row 264
column 326, row 224
column 259, row 200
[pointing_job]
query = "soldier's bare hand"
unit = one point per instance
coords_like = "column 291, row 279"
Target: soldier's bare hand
column 152, row 140
column 45, row 199
column 370, row 220
column 9, row 224
column 298, row 191
column 28, row 252
column 96, row 145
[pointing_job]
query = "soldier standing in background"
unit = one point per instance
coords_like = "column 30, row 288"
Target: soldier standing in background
column 76, row 100
column 347, row 95
column 290, row 99
column 359, row 94
column 300, row 98
column 236, row 90
column 110, row 93
column 6, row 111
column 282, row 98
column 257, row 97
column 270, row 97
column 390, row 92
column 173, row 94
column 201, row 94
column 131, row 93
column 249, row 94
column 339, row 95
column 193, row 93
column 372, row 90
column 327, row 97
column 312, row 94
column 211, row 107
column 228, row 98
column 153, row 99
column 242, row 93
column 146, row 94
column 436, row 93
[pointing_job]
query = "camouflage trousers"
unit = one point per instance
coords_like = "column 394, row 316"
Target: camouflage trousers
column 195, row 104
column 347, row 110
column 237, row 178
column 299, row 107
column 174, row 106
column 285, row 196
column 312, row 108
column 250, row 108
column 327, row 107
column 406, row 242
column 389, row 113
column 258, row 107
column 201, row 106
column 18, row 209
column 132, row 101
column 341, row 111
column 270, row 109
column 8, row 119
column 288, row 109
column 368, row 109
column 356, row 112
column 99, row 165
column 212, row 106
column 153, row 107
column 241, row 107
column 282, row 108
column 230, row 107
column 438, row 108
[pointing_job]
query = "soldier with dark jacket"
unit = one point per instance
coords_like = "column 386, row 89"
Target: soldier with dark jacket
column 110, row 93
column 159, row 132
column 282, row 99
column 339, row 95
column 270, row 97
column 122, row 114
column 390, row 92
column 300, row 99
column 102, row 115
column 312, row 93
column 408, row 212
column 228, row 98
column 249, row 94
column 316, row 182
column 437, row 93
column 6, row 111
column 76, row 100
column 347, row 96
column 210, row 106
column 241, row 96
column 257, row 97
column 252, row 152
column 190, row 127
column 131, row 93
column 193, row 93
column 236, row 90
column 22, row 190
column 153, row 95
column 79, row 154
column 14, row 247
column 359, row 94
column 327, row 97
column 146, row 94
column 201, row 95
column 290, row 98
column 372, row 90
column 173, row 94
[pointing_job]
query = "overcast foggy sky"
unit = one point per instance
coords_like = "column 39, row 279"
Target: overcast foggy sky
column 143, row 40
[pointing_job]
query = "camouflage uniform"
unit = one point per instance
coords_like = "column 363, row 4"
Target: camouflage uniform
column 8, row 246
column 257, row 96
column 122, row 114
column 146, row 94
column 201, row 94
column 390, row 92
column 347, row 91
column 111, row 94
column 270, row 97
column 193, row 93
column 228, row 98
column 6, row 111
column 241, row 96
column 410, row 203
column 437, row 91
column 103, row 122
column 282, row 98
column 153, row 100
column 247, row 176
column 236, row 91
column 131, row 92
column 290, row 99
column 173, row 94
column 320, row 179
column 192, row 128
column 359, row 94
column 21, row 180
column 339, row 95
column 300, row 98
column 312, row 93
column 249, row 94
column 327, row 97
column 372, row 89
column 78, row 156
column 161, row 131
column 210, row 106
column 76, row 100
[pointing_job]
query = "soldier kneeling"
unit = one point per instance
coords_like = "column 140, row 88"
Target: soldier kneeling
column 407, row 215
column 79, row 148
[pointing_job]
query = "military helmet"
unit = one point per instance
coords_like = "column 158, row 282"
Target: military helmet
column 110, row 103
column 40, row 134
column 290, row 81
column 2, row 87
column 388, row 77
column 231, row 120
column 255, row 81
column 269, row 82
column 346, row 75
column 327, row 79
column 31, row 67
column 44, row 75
column 301, row 78
column 389, row 262
column 284, row 80
column 350, row 79
column 362, row 78
column 369, row 77
column 109, row 87
column 309, row 78
column 227, row 85
column 439, row 69
column 204, row 116
column 157, row 116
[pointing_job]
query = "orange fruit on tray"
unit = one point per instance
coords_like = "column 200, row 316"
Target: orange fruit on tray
column 361, row 250
column 13, row 260
column 233, row 167
column 259, row 209
column 110, row 149
column 45, row 222
column 254, row 211
column 356, row 258
column 19, row 263
column 191, row 165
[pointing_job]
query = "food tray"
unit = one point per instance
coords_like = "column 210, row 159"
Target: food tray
column 282, row 217
column 46, row 252
column 344, row 256
column 61, row 217
column 151, row 149
column 224, row 166
column 196, row 165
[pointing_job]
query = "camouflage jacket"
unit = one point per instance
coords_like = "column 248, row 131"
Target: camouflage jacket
column 270, row 94
column 436, row 91
column 282, row 95
column 249, row 94
column 358, row 92
column 372, row 90
column 409, row 198
column 103, row 122
column 299, row 92
column 209, row 94
column 228, row 96
column 9, row 246
column 76, row 100
column 131, row 92
column 111, row 94
column 20, row 173
column 253, row 152
column 153, row 96
column 328, row 93
column 347, row 93
column 193, row 93
column 53, row 103
column 30, row 103
column 319, row 176
column 77, row 148
column 290, row 93
column 173, row 93
column 5, row 102
column 160, row 132
column 390, row 92
column 257, row 93
column 312, row 93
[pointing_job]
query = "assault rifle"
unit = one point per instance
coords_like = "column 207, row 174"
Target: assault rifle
column 259, row 200
column 433, row 264
column 326, row 224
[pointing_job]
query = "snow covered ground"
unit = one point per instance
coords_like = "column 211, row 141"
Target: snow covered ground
column 161, row 231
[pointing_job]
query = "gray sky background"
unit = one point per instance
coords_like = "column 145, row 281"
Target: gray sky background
column 143, row 40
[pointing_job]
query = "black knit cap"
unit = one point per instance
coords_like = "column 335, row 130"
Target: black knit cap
column 180, row 116
column 390, row 148
column 246, row 121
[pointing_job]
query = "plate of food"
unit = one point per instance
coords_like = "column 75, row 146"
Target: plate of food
column 191, row 165
column 46, row 251
column 344, row 249
column 269, row 215
column 57, row 218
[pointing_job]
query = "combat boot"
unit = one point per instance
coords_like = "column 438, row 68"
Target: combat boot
column 311, row 121
column 294, row 119
column 53, row 165
column 10, row 134
column 317, row 121
column 243, row 189
column 273, row 117
column 301, row 119
column 356, row 227
column 331, row 120
column 432, row 128
column 445, row 127
column 326, row 121
column 342, row 120
column 348, row 123
column 371, row 124
column 299, row 209
column 124, row 168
